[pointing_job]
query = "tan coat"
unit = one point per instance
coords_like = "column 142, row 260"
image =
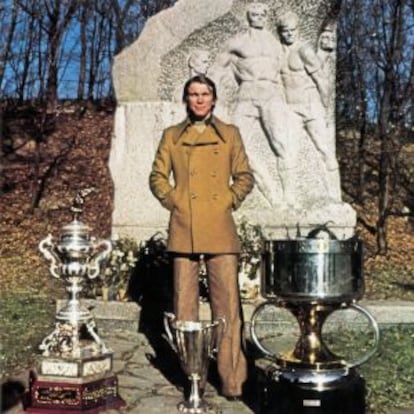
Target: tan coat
column 212, row 177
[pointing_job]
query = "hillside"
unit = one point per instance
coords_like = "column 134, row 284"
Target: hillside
column 41, row 176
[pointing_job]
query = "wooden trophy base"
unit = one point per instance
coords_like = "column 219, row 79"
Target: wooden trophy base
column 54, row 395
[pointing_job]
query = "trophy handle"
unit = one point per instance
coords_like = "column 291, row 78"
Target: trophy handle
column 46, row 248
column 217, row 322
column 169, row 317
column 364, row 358
column 253, row 335
column 103, row 248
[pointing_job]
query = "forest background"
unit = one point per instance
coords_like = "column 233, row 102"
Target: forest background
column 57, row 104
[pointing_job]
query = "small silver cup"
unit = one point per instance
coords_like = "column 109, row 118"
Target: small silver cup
column 194, row 342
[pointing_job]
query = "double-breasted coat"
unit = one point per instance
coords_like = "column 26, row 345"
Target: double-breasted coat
column 211, row 178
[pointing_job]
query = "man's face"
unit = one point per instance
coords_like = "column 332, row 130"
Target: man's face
column 257, row 17
column 200, row 100
column 288, row 33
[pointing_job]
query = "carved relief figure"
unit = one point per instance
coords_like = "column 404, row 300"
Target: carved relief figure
column 327, row 42
column 253, row 58
column 307, row 93
column 325, row 50
column 198, row 62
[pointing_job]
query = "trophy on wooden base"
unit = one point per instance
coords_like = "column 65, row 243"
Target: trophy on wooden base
column 75, row 368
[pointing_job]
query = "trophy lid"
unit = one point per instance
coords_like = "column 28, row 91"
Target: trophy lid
column 76, row 231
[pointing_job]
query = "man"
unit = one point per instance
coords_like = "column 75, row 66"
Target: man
column 253, row 57
column 307, row 94
column 212, row 177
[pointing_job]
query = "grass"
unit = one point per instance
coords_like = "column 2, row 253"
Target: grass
column 390, row 374
column 27, row 317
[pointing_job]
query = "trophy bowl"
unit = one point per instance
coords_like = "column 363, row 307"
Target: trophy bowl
column 194, row 342
column 328, row 271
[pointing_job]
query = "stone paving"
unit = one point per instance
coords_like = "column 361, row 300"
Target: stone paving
column 151, row 380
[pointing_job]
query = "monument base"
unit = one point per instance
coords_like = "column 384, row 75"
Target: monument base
column 87, row 395
column 278, row 395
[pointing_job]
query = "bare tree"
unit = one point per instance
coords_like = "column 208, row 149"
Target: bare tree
column 376, row 94
column 352, row 92
column 9, row 18
column 392, row 19
column 84, row 16
column 57, row 15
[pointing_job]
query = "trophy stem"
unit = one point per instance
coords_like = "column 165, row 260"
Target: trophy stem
column 310, row 347
column 74, row 290
column 194, row 404
column 195, row 391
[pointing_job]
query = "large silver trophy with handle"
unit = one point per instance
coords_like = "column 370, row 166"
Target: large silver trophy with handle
column 194, row 342
column 74, row 257
column 75, row 368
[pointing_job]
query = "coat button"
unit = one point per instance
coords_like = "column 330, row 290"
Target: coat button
column 213, row 174
column 193, row 195
column 215, row 196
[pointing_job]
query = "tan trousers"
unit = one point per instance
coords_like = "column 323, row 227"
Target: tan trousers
column 224, row 299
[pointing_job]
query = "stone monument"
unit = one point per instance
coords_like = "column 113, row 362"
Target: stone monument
column 274, row 66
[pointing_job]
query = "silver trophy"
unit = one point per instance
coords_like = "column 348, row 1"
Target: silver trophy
column 74, row 257
column 194, row 342
column 312, row 278
column 75, row 367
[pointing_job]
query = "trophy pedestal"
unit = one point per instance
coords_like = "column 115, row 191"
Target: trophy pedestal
column 92, row 394
column 200, row 408
column 76, row 367
column 282, row 395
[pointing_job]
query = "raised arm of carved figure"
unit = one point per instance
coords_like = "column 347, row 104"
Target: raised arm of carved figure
column 220, row 67
column 313, row 66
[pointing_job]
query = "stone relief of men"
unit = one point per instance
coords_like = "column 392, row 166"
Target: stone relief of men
column 307, row 93
column 253, row 57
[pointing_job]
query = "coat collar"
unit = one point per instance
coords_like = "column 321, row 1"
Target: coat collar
column 218, row 125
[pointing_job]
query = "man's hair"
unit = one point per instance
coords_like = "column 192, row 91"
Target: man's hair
column 286, row 19
column 199, row 79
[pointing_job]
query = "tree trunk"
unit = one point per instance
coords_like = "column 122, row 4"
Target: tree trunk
column 6, row 48
column 84, row 18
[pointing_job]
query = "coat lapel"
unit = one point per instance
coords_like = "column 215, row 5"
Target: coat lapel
column 208, row 138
